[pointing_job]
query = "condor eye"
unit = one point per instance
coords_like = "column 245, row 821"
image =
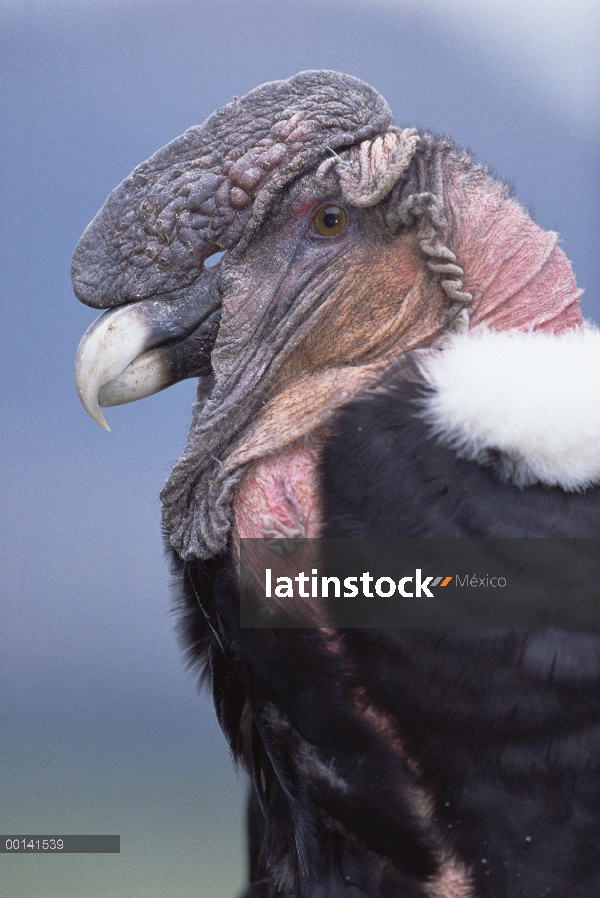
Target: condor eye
column 330, row 220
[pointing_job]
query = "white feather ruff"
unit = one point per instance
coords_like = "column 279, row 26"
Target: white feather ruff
column 531, row 400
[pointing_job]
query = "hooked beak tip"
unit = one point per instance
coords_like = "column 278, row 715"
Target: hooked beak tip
column 90, row 404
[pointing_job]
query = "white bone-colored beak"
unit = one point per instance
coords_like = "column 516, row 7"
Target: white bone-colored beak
column 107, row 348
column 135, row 350
column 148, row 374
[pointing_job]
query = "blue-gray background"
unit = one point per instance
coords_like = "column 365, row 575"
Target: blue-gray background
column 101, row 729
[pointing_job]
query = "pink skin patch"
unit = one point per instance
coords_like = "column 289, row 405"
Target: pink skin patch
column 278, row 500
column 278, row 496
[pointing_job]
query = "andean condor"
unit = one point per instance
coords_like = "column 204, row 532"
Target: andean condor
column 390, row 346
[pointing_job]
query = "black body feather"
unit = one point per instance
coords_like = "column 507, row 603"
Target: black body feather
column 499, row 729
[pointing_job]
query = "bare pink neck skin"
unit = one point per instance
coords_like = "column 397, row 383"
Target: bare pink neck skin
column 518, row 276
column 278, row 496
column 278, row 499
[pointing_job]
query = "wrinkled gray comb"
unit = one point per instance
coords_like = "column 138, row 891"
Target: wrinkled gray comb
column 198, row 194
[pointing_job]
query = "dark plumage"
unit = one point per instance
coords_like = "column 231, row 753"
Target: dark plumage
column 390, row 347
column 501, row 729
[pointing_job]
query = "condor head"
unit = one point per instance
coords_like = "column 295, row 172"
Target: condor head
column 347, row 242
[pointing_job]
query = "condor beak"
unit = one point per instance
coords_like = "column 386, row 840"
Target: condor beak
column 136, row 350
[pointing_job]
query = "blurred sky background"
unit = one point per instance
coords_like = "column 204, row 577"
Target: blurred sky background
column 101, row 730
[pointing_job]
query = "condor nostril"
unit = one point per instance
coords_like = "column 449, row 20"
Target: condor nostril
column 214, row 260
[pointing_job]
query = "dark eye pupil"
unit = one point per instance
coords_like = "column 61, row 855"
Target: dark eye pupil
column 330, row 221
